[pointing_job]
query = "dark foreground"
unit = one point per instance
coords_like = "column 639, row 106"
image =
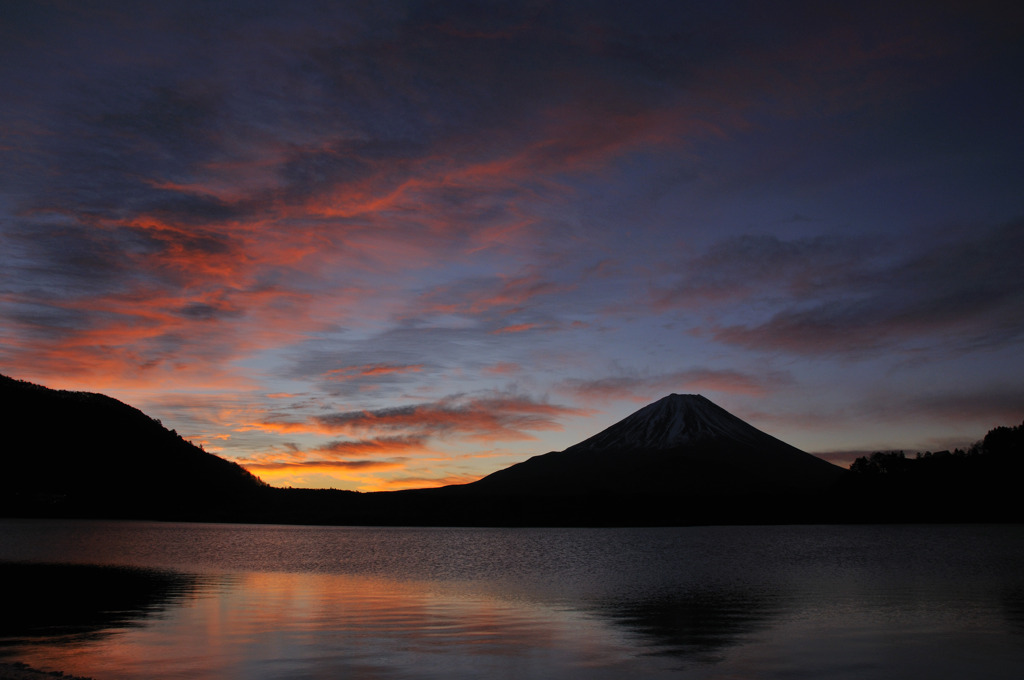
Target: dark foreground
column 164, row 601
column 20, row 671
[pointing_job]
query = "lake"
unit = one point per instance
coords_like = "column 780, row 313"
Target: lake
column 117, row 600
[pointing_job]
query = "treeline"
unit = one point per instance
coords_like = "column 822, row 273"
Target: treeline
column 979, row 484
column 1002, row 445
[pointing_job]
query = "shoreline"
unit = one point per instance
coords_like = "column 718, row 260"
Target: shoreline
column 16, row 670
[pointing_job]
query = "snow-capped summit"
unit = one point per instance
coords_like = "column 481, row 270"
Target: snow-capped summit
column 680, row 444
column 672, row 421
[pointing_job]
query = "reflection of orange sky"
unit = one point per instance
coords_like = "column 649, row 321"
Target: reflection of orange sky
column 306, row 625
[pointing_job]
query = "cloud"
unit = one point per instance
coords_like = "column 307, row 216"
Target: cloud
column 515, row 328
column 764, row 266
column 381, row 445
column 501, row 295
column 503, row 368
column 371, row 371
column 365, row 464
column 260, row 468
column 993, row 406
column 387, row 452
column 142, row 335
column 497, row 418
column 828, row 296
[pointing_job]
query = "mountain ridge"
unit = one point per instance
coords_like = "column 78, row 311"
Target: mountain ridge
column 680, row 444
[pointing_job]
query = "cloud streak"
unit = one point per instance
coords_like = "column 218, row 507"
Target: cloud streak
column 487, row 419
column 838, row 297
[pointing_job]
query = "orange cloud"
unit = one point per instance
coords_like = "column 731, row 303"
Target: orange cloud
column 502, row 368
column 357, row 475
column 343, row 462
column 493, row 419
column 312, row 466
column 380, row 446
column 371, row 371
column 516, row 328
column 284, row 427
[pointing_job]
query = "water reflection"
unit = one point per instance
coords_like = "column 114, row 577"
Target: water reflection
column 1013, row 609
column 69, row 603
column 697, row 625
column 116, row 622
column 281, row 625
column 286, row 602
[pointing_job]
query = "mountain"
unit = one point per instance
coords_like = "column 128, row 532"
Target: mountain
column 674, row 421
column 681, row 444
column 84, row 454
column 680, row 460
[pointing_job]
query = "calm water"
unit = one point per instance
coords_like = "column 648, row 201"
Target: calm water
column 129, row 600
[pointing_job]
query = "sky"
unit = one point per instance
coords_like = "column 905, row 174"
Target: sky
column 385, row 245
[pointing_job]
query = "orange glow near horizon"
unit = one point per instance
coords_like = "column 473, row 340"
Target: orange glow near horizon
column 342, row 475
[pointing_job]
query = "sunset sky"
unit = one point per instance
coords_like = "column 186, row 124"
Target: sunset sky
column 379, row 245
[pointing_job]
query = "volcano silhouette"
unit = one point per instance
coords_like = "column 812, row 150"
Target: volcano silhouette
column 679, row 445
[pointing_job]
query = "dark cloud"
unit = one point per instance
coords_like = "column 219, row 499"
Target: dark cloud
column 855, row 297
column 202, row 311
column 60, row 258
column 185, row 209
column 765, row 265
column 996, row 405
column 163, row 122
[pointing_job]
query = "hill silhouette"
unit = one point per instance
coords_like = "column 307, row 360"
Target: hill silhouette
column 83, row 454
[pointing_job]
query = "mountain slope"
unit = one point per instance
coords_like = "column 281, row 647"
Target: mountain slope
column 84, row 453
column 679, row 445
